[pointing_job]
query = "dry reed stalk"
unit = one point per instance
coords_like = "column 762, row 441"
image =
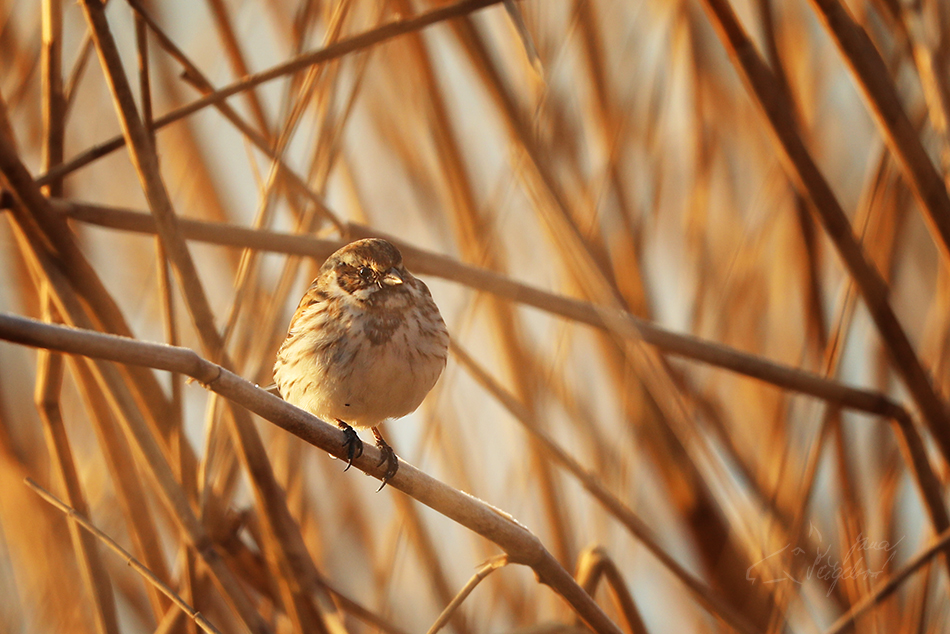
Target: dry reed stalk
column 815, row 306
column 888, row 410
column 269, row 303
column 476, row 579
column 323, row 160
column 179, row 444
column 50, row 375
column 869, row 222
column 521, row 546
column 24, row 62
column 113, row 386
column 362, row 613
column 52, row 584
column 120, row 463
column 674, row 445
column 595, row 565
column 584, row 258
column 49, row 365
column 54, row 111
column 122, row 403
column 902, row 137
column 317, row 80
column 929, row 62
column 507, row 593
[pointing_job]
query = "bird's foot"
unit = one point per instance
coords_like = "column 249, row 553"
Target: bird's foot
column 352, row 443
column 388, row 456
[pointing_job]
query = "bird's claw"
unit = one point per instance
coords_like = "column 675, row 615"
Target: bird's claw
column 388, row 456
column 352, row 443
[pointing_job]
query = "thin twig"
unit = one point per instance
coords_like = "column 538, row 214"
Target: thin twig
column 223, row 22
column 134, row 563
column 334, row 51
column 476, row 579
column 422, row 540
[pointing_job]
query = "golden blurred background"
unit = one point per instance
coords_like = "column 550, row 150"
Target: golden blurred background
column 693, row 256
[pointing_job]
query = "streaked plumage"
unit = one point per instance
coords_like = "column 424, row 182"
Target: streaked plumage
column 366, row 342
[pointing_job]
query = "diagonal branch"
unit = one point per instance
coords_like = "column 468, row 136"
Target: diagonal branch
column 520, row 544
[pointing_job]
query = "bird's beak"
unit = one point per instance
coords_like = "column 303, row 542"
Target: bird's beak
column 392, row 278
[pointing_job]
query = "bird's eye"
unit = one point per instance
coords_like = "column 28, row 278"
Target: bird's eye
column 366, row 273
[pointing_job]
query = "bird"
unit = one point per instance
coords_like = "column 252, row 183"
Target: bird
column 367, row 343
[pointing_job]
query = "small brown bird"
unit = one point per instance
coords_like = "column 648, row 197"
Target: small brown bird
column 366, row 343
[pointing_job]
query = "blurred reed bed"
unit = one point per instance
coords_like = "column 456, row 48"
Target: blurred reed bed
column 693, row 257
